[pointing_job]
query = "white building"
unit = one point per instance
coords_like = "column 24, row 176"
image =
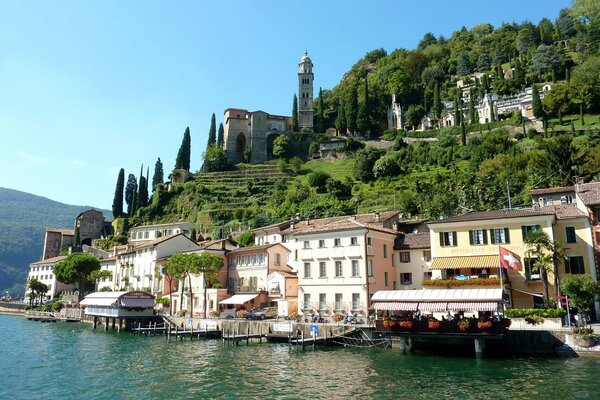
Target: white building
column 153, row 232
column 43, row 271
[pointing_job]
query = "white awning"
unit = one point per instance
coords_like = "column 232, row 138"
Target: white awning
column 473, row 306
column 439, row 295
column 102, row 302
column 433, row 307
column 396, row 306
column 141, row 303
column 107, row 299
column 238, row 299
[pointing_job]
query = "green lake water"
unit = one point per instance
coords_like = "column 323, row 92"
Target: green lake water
column 71, row 361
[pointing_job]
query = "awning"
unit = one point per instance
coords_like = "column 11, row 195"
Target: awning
column 439, row 295
column 141, row 303
column 433, row 307
column 401, row 306
column 480, row 262
column 100, row 302
column 238, row 299
column 473, row 306
column 528, row 293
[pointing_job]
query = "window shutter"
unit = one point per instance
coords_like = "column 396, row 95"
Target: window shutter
column 492, row 237
column 484, row 236
column 471, row 237
column 454, row 241
column 506, row 235
column 528, row 269
column 524, row 232
column 580, row 266
column 442, row 239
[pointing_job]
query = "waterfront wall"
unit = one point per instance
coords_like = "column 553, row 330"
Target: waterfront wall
column 12, row 308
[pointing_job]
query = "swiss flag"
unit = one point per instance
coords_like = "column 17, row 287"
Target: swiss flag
column 510, row 260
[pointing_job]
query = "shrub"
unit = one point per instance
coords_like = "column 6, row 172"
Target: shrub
column 537, row 312
column 318, row 180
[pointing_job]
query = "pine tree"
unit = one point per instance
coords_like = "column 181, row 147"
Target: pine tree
column 320, row 117
column 117, row 205
column 437, row 101
column 130, row 191
column 295, row 114
column 159, row 175
column 352, row 109
column 340, row 120
column 183, row 156
column 212, row 132
column 536, row 103
column 221, row 135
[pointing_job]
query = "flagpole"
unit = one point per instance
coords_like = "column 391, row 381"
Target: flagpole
column 500, row 268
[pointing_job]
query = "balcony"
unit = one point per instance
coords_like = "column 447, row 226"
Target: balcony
column 464, row 326
column 458, row 283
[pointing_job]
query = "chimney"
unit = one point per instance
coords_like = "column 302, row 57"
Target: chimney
column 395, row 226
column 293, row 225
column 376, row 216
column 308, row 221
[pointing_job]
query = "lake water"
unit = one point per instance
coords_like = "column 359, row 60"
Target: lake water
column 71, row 361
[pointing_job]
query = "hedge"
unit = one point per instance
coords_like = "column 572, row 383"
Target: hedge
column 535, row 312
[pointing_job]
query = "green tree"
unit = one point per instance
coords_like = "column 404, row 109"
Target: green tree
column 582, row 290
column 472, row 111
column 536, row 103
column 365, row 161
column 77, row 239
column 320, row 125
column 545, row 59
column 76, row 269
column 565, row 25
column 172, row 272
column 295, row 114
column 352, row 109
column 159, row 175
column 97, row 275
column 484, row 62
column 281, row 146
column 414, row 114
column 212, row 131
column 143, row 192
column 130, row 190
column 539, row 248
column 246, row 239
column 318, row 180
column 221, row 135
column 340, row 120
column 463, row 64
column 117, row 205
column 546, row 30
column 215, row 159
column 437, row 101
column 362, row 118
column 37, row 289
column 457, row 110
column 183, row 156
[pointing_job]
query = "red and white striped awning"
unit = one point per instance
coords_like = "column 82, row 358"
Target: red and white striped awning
column 396, row 306
column 433, row 306
column 473, row 306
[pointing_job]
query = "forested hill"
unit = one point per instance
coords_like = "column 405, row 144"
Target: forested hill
column 23, row 218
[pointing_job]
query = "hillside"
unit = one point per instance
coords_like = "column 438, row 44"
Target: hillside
column 23, row 218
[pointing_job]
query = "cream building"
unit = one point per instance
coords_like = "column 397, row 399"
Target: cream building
column 43, row 271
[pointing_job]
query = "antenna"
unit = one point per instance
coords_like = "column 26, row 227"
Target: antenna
column 508, row 194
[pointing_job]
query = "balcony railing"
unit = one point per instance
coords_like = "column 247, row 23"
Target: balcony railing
column 449, row 283
column 462, row 326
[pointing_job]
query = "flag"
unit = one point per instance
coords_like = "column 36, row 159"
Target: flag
column 510, row 260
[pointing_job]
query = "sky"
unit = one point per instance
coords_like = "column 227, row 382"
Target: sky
column 89, row 87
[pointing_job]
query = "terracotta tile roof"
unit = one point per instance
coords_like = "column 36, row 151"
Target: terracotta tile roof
column 412, row 241
column 152, row 243
column 342, row 223
column 493, row 214
column 253, row 248
column 589, row 193
column 561, row 189
column 64, row 231
column 565, row 211
column 52, row 260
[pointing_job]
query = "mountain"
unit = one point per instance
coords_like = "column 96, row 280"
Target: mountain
column 23, row 218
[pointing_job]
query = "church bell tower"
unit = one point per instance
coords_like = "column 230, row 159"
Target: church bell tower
column 305, row 93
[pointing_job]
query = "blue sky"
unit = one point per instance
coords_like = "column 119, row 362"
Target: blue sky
column 89, row 87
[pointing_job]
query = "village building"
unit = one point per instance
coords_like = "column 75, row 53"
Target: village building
column 91, row 225
column 55, row 240
column 153, row 232
column 43, row 271
column 412, row 257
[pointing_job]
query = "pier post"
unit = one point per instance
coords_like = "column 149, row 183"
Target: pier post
column 114, row 320
column 248, row 335
column 95, row 322
column 106, row 323
column 119, row 326
column 260, row 334
column 479, row 346
column 403, row 345
column 302, row 335
column 411, row 344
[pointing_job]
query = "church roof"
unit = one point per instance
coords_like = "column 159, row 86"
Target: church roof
column 305, row 58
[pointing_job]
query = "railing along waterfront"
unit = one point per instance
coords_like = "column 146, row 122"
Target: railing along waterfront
column 464, row 326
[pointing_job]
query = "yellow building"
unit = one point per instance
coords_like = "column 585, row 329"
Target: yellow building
column 466, row 249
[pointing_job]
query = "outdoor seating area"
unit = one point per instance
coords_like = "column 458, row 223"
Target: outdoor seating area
column 410, row 323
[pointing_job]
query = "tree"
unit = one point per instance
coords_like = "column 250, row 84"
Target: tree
column 472, row 112
column 484, row 63
column 97, row 275
column 540, row 250
column 427, row 40
column 585, row 80
column 414, row 115
column 36, row 288
column 437, row 101
column 565, row 25
column 545, row 59
column 365, row 161
column 183, row 156
column 463, row 64
column 457, row 110
column 320, row 125
column 130, row 191
column 536, row 103
column 352, row 109
column 246, row 239
column 281, row 146
column 317, row 180
column 221, row 135
column 582, row 290
column 143, row 192
column 362, row 118
column 76, row 269
column 340, row 120
column 117, row 205
column 77, row 239
column 295, row 114
column 546, row 30
column 215, row 159
column 171, row 271
column 159, row 175
column 212, row 132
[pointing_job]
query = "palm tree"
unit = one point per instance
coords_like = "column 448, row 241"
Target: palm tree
column 559, row 256
column 540, row 248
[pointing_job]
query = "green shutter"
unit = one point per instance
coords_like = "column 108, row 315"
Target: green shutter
column 580, row 265
column 454, row 241
column 484, row 236
column 492, row 237
column 506, row 235
column 442, row 239
column 528, row 269
column 524, row 232
column 471, row 238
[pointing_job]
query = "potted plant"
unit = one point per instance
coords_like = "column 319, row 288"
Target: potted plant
column 584, row 337
column 464, row 324
column 407, row 324
column 484, row 324
column 337, row 317
column 386, row 322
column 214, row 313
column 433, row 324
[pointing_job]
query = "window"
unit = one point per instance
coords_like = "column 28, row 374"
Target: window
column 531, row 273
column 307, row 305
column 338, row 269
column 355, row 301
column 307, row 270
column 426, row 255
column 478, row 237
column 385, row 278
column 404, row 256
column 448, row 239
column 322, row 301
column 353, row 241
column 405, row 278
column 369, row 241
column 277, row 259
column 146, row 235
column 306, row 244
column 499, row 236
column 427, row 275
column 284, row 238
column 355, row 272
column 321, row 243
column 574, row 265
column 338, row 301
column 385, row 251
column 571, row 236
column 525, row 229
column 322, row 269
column 337, row 242
column 370, row 268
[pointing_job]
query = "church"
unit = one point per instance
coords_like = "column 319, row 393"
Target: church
column 257, row 130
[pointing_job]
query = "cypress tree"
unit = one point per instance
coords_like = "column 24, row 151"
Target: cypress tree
column 472, row 112
column 463, row 134
column 212, row 132
column 320, row 117
column 183, row 156
column 130, row 191
column 295, row 114
column 77, row 240
column 536, row 103
column 158, row 174
column 193, row 235
column 457, row 111
column 143, row 192
column 221, row 135
column 340, row 120
column 437, row 101
column 117, row 205
column 581, row 114
column 362, row 117
column 352, row 110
